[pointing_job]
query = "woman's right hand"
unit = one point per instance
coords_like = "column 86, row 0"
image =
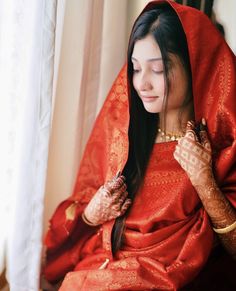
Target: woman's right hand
column 109, row 202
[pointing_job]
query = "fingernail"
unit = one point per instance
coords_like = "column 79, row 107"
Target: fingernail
column 190, row 123
column 118, row 173
column 203, row 125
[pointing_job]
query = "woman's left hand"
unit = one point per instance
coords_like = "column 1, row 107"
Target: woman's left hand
column 194, row 154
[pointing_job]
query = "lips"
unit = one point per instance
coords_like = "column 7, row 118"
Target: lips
column 149, row 98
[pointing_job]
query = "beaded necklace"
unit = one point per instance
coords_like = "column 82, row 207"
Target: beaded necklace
column 167, row 136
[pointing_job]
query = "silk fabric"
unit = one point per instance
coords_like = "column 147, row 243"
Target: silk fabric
column 168, row 235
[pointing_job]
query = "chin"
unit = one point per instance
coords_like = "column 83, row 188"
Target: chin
column 152, row 110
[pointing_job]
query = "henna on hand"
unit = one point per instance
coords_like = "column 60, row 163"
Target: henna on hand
column 194, row 154
column 220, row 211
column 109, row 202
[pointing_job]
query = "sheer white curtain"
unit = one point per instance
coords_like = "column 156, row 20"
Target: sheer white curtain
column 26, row 72
column 93, row 49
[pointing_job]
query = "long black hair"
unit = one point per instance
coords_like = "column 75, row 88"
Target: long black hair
column 164, row 25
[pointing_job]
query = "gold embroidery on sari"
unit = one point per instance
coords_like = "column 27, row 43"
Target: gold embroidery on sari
column 71, row 211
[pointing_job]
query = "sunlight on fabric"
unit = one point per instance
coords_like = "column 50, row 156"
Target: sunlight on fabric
column 6, row 130
column 26, row 70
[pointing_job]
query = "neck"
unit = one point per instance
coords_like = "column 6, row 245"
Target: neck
column 175, row 122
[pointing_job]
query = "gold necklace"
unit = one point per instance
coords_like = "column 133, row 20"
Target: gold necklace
column 167, row 136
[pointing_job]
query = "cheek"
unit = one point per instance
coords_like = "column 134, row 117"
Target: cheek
column 175, row 97
column 135, row 82
column 160, row 86
column 178, row 90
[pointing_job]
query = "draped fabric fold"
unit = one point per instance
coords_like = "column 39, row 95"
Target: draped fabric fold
column 168, row 236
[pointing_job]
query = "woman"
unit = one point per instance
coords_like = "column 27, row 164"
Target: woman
column 169, row 203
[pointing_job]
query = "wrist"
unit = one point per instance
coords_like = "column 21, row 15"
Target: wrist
column 207, row 188
column 87, row 221
column 226, row 229
column 204, row 178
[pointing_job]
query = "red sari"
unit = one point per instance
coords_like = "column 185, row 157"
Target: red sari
column 168, row 235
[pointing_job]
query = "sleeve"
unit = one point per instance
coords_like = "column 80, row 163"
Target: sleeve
column 105, row 153
column 64, row 240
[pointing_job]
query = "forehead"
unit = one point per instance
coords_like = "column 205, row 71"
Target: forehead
column 146, row 48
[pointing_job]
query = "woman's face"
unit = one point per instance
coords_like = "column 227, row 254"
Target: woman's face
column 148, row 77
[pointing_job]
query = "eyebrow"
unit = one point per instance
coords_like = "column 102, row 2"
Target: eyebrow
column 148, row 60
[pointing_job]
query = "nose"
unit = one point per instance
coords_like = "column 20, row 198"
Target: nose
column 144, row 84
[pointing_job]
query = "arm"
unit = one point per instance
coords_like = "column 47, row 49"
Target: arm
column 73, row 223
column 108, row 203
column 222, row 214
column 194, row 155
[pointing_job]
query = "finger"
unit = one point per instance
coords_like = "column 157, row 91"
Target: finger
column 183, row 163
column 203, row 125
column 116, row 207
column 191, row 135
column 177, row 156
column 118, row 177
column 118, row 174
column 180, row 160
column 120, row 197
column 122, row 178
column 123, row 196
column 118, row 193
column 180, row 141
column 205, row 140
column 204, row 136
column 187, row 144
column 190, row 131
column 125, row 206
column 108, row 187
column 122, row 188
column 190, row 125
column 177, row 149
column 115, row 184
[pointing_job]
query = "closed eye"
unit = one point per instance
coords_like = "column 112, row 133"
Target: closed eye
column 158, row 72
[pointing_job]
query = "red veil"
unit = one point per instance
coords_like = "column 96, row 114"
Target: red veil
column 78, row 249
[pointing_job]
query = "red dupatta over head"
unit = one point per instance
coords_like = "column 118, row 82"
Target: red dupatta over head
column 214, row 89
column 213, row 69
